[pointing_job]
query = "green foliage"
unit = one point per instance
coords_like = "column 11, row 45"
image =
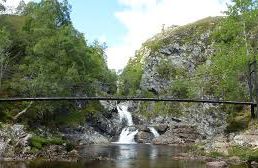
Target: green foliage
column 238, row 122
column 129, row 81
column 166, row 70
column 156, row 44
column 2, row 7
column 150, row 110
column 38, row 142
column 182, row 89
column 78, row 117
column 244, row 153
column 49, row 57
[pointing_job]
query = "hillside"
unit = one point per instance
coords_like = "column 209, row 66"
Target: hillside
column 201, row 60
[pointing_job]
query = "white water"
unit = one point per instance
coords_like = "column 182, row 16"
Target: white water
column 124, row 114
column 128, row 133
column 154, row 132
column 127, row 136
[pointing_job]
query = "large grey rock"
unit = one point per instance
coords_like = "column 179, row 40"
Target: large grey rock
column 144, row 137
column 161, row 128
column 209, row 120
column 180, row 134
column 84, row 135
column 217, row 164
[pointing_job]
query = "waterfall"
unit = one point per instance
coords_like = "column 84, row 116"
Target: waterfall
column 127, row 136
column 124, row 114
column 128, row 133
column 154, row 132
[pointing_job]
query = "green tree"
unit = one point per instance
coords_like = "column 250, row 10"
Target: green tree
column 51, row 58
column 227, row 74
column 2, row 7
column 5, row 43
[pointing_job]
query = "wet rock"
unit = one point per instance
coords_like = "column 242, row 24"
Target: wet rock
column 217, row 164
column 95, row 138
column 73, row 153
column 161, row 128
column 254, row 164
column 142, row 128
column 144, row 137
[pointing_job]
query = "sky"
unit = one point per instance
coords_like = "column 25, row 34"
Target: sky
column 125, row 24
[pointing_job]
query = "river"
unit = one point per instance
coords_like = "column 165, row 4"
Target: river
column 120, row 156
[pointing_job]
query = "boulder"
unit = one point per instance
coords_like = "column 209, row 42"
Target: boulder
column 161, row 128
column 181, row 134
column 217, row 164
column 83, row 135
column 144, row 137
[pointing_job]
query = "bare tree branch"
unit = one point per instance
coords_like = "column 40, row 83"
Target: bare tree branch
column 23, row 111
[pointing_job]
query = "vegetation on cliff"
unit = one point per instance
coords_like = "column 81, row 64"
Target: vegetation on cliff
column 205, row 59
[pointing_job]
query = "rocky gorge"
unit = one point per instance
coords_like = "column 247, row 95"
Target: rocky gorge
column 163, row 67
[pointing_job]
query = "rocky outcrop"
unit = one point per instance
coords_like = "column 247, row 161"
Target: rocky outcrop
column 217, row 164
column 175, row 55
column 181, row 48
column 180, row 134
column 144, row 137
column 14, row 141
column 144, row 134
column 58, row 153
column 209, row 120
column 84, row 135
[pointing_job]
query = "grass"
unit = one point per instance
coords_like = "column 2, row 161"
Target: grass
column 38, row 142
column 244, row 153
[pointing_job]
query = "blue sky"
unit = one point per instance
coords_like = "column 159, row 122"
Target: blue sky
column 95, row 18
column 125, row 24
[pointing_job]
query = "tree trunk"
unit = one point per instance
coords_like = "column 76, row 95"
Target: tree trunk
column 22, row 112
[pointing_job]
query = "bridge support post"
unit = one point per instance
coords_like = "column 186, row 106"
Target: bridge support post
column 252, row 111
column 255, row 86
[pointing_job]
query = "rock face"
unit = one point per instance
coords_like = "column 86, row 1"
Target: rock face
column 182, row 48
column 210, row 120
column 180, row 134
column 84, row 135
column 166, row 59
column 14, row 141
column 106, row 122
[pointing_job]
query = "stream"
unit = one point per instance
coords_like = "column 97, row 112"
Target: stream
column 120, row 156
column 125, row 153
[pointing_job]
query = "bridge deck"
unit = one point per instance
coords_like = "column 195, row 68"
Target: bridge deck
column 16, row 99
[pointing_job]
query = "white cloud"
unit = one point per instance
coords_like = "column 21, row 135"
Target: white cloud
column 15, row 3
column 11, row 5
column 144, row 18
